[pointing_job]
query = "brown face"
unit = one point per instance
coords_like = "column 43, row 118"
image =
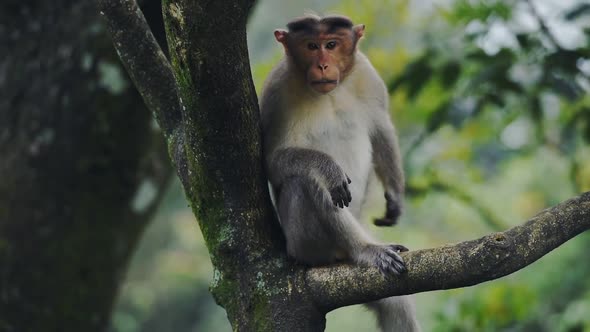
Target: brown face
column 322, row 49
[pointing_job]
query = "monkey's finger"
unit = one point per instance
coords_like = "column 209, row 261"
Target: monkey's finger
column 384, row 267
column 395, row 257
column 343, row 195
column 339, row 202
column 334, row 199
column 335, row 194
column 399, row 268
column 336, row 202
column 399, row 248
column 348, row 179
column 395, row 267
column 348, row 194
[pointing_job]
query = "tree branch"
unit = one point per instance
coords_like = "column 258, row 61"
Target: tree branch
column 144, row 60
column 453, row 266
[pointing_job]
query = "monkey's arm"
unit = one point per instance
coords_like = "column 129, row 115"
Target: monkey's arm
column 318, row 166
column 388, row 167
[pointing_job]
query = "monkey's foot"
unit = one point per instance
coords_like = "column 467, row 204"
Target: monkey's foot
column 385, row 257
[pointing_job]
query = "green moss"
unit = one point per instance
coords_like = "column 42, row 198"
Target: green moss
column 261, row 313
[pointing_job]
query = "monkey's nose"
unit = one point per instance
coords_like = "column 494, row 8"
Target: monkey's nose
column 323, row 67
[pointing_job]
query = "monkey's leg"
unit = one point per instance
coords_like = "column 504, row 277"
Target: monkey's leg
column 318, row 232
column 395, row 314
column 357, row 242
column 308, row 241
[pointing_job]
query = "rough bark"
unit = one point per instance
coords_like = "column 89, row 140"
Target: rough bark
column 75, row 153
column 254, row 281
column 460, row 265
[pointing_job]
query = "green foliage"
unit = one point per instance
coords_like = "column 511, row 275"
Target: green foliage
column 527, row 99
column 490, row 309
column 464, row 11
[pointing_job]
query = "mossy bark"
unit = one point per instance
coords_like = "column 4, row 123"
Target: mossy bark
column 77, row 146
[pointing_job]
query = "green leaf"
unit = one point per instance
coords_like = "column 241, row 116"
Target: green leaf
column 535, row 109
column 449, row 73
column 415, row 76
column 566, row 60
column 465, row 11
column 438, row 117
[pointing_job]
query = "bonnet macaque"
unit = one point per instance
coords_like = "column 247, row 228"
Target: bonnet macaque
column 327, row 133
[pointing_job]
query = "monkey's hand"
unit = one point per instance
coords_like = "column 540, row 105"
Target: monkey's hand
column 393, row 210
column 339, row 191
column 385, row 257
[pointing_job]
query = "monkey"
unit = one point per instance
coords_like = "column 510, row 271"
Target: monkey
column 327, row 134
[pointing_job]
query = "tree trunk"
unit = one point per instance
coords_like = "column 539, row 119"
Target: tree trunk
column 81, row 167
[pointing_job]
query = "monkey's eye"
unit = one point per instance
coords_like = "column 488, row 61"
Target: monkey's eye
column 331, row 45
column 312, row 46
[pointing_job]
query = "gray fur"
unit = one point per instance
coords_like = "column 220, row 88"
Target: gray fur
column 314, row 145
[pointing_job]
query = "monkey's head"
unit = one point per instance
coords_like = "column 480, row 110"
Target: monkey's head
column 321, row 48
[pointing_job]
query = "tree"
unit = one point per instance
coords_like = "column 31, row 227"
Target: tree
column 81, row 168
column 205, row 102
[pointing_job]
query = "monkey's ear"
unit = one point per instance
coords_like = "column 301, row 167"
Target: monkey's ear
column 281, row 37
column 359, row 31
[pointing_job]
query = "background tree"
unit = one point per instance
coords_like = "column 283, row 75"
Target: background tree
column 82, row 167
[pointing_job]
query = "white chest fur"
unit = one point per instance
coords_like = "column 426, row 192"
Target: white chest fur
column 335, row 124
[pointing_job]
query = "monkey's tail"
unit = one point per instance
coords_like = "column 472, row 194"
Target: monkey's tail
column 396, row 314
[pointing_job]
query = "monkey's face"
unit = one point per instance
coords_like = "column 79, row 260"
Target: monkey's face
column 325, row 60
column 323, row 55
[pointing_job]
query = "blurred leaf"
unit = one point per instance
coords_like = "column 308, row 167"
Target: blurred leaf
column 464, row 11
column 569, row 89
column 494, row 99
column 535, row 109
column 505, row 56
column 502, row 81
column 586, row 130
column 525, row 41
column 580, row 10
column 449, row 73
column 438, row 117
column 569, row 132
column 565, row 60
column 415, row 76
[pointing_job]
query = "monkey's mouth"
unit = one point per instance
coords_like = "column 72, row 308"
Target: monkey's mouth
column 324, row 81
